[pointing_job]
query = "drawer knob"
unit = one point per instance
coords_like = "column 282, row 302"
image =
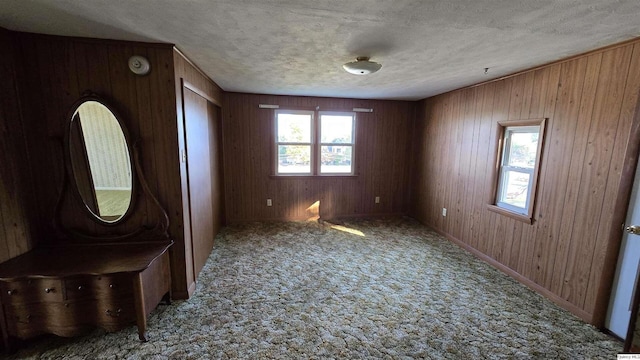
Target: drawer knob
column 48, row 290
column 10, row 292
column 114, row 313
column 80, row 287
column 112, row 286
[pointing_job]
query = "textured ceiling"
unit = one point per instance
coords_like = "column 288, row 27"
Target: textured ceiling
column 297, row 47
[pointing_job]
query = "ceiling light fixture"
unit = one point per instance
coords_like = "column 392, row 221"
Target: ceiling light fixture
column 362, row 66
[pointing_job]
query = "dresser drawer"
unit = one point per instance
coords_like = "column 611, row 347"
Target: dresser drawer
column 64, row 319
column 68, row 289
column 116, row 315
column 68, row 318
column 109, row 287
column 31, row 291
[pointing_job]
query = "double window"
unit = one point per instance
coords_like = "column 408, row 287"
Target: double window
column 305, row 146
column 519, row 163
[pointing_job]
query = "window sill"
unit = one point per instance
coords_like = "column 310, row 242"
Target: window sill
column 511, row 214
column 298, row 176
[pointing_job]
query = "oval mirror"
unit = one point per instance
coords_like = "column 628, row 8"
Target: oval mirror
column 100, row 161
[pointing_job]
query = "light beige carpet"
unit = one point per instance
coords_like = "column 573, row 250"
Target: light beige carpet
column 306, row 290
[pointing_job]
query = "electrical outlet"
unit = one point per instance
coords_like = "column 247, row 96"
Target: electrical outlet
column 377, row 199
column 269, row 203
column 444, row 211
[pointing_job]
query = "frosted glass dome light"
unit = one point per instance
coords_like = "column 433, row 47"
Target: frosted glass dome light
column 362, row 66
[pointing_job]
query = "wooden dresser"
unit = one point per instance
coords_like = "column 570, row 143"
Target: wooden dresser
column 65, row 290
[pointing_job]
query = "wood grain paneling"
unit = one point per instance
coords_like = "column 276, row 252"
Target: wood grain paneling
column 57, row 72
column 609, row 251
column 217, row 173
column 200, row 231
column 381, row 161
column 566, row 253
column 200, row 177
column 16, row 235
column 53, row 73
column 204, row 174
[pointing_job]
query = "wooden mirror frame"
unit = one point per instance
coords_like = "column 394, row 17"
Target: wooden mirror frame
column 71, row 173
column 145, row 231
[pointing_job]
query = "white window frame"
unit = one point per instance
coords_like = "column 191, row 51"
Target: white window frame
column 311, row 144
column 505, row 168
column 352, row 144
column 505, row 130
column 315, row 144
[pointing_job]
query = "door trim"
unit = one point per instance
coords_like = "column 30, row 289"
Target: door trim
column 628, row 342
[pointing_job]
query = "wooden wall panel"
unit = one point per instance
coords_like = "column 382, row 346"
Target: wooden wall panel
column 217, row 170
column 617, row 194
column 54, row 72
column 209, row 92
column 381, row 162
column 199, row 152
column 16, row 235
column 589, row 102
column 50, row 88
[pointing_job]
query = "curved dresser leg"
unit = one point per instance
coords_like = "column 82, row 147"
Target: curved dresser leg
column 141, row 313
column 6, row 341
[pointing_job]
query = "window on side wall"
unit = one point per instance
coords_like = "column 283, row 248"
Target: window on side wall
column 519, row 162
column 306, row 147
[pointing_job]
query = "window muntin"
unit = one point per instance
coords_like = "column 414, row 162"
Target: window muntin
column 294, row 140
column 520, row 153
column 336, row 142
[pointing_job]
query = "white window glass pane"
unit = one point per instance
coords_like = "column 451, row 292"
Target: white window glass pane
column 336, row 159
column 515, row 188
column 336, row 129
column 294, row 128
column 294, row 159
column 523, row 148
